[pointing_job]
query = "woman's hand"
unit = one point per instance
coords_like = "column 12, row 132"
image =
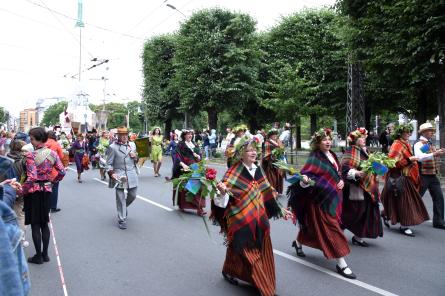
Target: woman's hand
column 413, row 158
column 185, row 167
column 196, row 156
column 287, row 214
column 305, row 179
column 359, row 174
column 340, row 185
column 221, row 187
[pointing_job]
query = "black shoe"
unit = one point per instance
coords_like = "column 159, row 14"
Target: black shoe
column 230, row 279
column 55, row 210
column 122, row 225
column 403, row 231
column 385, row 221
column 45, row 258
column 439, row 226
column 359, row 243
column 341, row 271
column 36, row 259
column 298, row 249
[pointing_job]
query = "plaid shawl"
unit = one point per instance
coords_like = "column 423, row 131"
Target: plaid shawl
column 351, row 160
column 245, row 220
column 402, row 151
column 269, row 147
column 324, row 192
column 183, row 154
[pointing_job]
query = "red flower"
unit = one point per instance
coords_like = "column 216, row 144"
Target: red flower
column 210, row 174
column 256, row 139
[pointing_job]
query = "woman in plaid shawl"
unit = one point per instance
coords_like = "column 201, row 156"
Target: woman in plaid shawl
column 273, row 174
column 243, row 209
column 186, row 154
column 318, row 207
column 405, row 207
column 360, row 214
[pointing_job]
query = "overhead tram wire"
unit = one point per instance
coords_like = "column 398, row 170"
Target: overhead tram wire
column 67, row 30
column 86, row 23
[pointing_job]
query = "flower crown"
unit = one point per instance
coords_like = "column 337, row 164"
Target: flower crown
column 400, row 129
column 319, row 136
column 240, row 127
column 358, row 133
column 243, row 142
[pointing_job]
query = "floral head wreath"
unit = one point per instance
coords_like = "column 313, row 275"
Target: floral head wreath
column 319, row 136
column 272, row 131
column 400, row 129
column 239, row 128
column 358, row 133
column 243, row 143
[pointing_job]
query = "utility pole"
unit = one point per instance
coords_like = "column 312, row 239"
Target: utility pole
column 80, row 24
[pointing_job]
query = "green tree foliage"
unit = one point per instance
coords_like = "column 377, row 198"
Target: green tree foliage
column 4, row 115
column 51, row 115
column 117, row 115
column 217, row 62
column 161, row 94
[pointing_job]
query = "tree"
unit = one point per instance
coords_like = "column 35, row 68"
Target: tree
column 402, row 44
column 161, row 93
column 4, row 115
column 51, row 115
column 306, row 72
column 217, row 62
column 116, row 116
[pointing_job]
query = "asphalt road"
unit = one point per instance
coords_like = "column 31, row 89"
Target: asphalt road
column 166, row 252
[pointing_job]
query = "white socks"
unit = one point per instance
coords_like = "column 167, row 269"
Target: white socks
column 359, row 239
column 341, row 262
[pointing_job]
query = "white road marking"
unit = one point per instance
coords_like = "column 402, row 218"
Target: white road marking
column 333, row 274
column 59, row 264
column 143, row 199
column 71, row 169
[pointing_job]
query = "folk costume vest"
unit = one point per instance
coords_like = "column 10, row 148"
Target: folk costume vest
column 428, row 166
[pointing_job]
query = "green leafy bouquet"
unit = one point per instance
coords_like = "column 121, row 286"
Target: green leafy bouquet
column 198, row 178
column 295, row 176
column 378, row 163
column 278, row 153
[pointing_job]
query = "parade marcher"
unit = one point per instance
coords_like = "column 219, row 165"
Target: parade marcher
column 156, row 150
column 318, row 207
column 274, row 175
column 243, row 209
column 400, row 196
column 212, row 143
column 102, row 145
column 65, row 144
column 79, row 148
column 360, row 213
column 37, row 191
column 121, row 168
column 428, row 171
column 238, row 132
column 385, row 138
column 52, row 144
column 92, row 148
column 187, row 153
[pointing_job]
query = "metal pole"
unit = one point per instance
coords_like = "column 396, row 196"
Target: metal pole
column 80, row 51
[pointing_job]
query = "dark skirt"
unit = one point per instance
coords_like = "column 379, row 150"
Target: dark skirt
column 362, row 217
column 275, row 177
column 36, row 207
column 253, row 265
column 197, row 203
column 407, row 208
column 78, row 160
column 322, row 231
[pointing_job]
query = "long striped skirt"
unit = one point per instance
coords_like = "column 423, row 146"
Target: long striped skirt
column 275, row 177
column 407, row 208
column 362, row 217
column 254, row 266
column 323, row 232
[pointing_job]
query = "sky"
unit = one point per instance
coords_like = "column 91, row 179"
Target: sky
column 40, row 45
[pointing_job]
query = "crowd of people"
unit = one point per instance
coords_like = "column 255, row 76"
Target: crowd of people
column 332, row 193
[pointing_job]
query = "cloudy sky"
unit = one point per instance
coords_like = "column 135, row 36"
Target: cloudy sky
column 39, row 48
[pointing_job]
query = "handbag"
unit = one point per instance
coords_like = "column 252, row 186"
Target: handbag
column 395, row 182
column 85, row 162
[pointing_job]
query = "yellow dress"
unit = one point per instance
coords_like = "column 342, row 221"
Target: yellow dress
column 156, row 148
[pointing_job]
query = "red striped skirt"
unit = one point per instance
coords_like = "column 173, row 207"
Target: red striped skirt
column 254, row 266
column 275, row 178
column 407, row 208
column 323, row 232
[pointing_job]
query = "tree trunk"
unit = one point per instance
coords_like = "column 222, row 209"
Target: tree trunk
column 253, row 125
column 213, row 118
column 298, row 132
column 313, row 123
column 441, row 104
column 168, row 128
column 422, row 107
column 368, row 121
